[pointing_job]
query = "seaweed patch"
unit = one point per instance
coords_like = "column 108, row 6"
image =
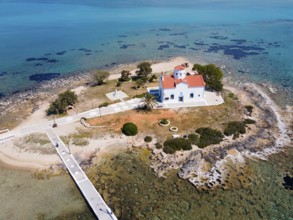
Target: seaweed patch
column 236, row 51
column 44, row 77
column 163, row 46
column 52, row 61
column 218, row 37
column 61, row 53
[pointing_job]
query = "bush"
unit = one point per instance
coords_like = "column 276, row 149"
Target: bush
column 159, row 145
column 142, row 95
column 129, row 129
column 148, row 139
column 152, row 78
column 209, row 136
column 60, row 104
column 235, row 127
column 118, row 84
column 249, row 121
column 104, row 104
column 164, row 121
column 193, row 138
column 175, row 144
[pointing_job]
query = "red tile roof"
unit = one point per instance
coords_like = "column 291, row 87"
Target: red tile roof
column 170, row 82
column 180, row 67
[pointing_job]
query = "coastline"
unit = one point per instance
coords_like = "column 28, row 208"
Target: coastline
column 78, row 81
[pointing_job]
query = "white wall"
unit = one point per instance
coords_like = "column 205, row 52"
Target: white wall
column 179, row 74
column 183, row 90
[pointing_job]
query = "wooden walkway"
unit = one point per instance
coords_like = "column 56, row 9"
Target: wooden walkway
column 94, row 199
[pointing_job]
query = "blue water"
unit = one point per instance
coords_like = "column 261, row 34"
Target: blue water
column 252, row 38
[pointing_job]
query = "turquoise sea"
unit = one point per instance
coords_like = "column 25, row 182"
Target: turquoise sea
column 52, row 38
column 253, row 39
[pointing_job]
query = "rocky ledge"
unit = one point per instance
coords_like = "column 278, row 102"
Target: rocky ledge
column 223, row 165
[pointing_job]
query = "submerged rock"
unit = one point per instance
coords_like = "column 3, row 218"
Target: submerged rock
column 288, row 182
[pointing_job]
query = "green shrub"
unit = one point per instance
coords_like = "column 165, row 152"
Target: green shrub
column 193, row 138
column 249, row 121
column 152, row 78
column 235, row 127
column 164, row 121
column 105, row 104
column 140, row 95
column 129, row 129
column 159, row 145
column 209, row 136
column 231, row 95
column 148, row 139
column 118, row 84
column 175, row 144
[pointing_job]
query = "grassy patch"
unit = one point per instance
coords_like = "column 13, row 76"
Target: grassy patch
column 79, row 139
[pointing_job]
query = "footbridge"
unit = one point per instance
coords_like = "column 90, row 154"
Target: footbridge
column 94, row 199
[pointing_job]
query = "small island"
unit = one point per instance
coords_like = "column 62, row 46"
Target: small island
column 183, row 114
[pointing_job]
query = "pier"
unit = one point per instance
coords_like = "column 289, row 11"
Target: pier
column 94, row 199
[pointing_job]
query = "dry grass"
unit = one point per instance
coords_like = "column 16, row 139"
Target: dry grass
column 186, row 119
column 94, row 96
column 14, row 117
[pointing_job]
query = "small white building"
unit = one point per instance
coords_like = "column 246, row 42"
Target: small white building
column 180, row 87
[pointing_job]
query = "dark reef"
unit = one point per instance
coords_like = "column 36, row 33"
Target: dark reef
column 236, row 51
column 164, row 46
column 217, row 37
column 44, row 77
column 61, row 53
column 52, row 61
column 288, row 182
column 164, row 29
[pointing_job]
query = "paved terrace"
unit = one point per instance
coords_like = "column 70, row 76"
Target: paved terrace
column 111, row 109
column 210, row 99
column 94, row 199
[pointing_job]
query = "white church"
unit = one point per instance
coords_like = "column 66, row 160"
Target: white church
column 181, row 87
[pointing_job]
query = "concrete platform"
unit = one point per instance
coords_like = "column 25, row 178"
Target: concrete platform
column 116, row 95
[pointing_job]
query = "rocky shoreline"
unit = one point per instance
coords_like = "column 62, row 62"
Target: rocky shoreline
column 222, row 165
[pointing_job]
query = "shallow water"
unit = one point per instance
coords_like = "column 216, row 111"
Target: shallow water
column 128, row 185
column 253, row 39
column 57, row 37
column 23, row 196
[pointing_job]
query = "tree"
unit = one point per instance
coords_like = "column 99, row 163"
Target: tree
column 144, row 69
column 62, row 102
column 149, row 102
column 139, row 83
column 212, row 75
column 99, row 76
column 125, row 76
column 68, row 97
column 129, row 129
